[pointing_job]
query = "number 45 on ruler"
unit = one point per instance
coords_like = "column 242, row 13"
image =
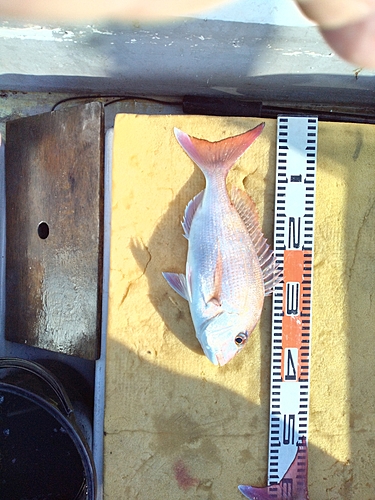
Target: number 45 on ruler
column 292, row 309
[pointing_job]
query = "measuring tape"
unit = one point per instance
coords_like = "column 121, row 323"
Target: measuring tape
column 292, row 299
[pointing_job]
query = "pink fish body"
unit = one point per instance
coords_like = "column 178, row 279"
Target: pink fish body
column 293, row 485
column 229, row 267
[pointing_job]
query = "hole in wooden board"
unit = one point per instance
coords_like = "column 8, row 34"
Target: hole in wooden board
column 43, row 230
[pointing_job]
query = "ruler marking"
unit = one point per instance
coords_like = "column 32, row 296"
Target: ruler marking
column 292, row 307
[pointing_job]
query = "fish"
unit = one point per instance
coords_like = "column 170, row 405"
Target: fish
column 293, row 485
column 230, row 267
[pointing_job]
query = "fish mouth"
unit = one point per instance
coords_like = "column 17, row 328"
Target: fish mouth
column 220, row 359
column 212, row 356
column 219, row 353
column 216, row 358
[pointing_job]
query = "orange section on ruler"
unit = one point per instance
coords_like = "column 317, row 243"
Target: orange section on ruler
column 293, row 265
column 292, row 320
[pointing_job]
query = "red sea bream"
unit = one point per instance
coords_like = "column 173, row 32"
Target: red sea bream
column 229, row 267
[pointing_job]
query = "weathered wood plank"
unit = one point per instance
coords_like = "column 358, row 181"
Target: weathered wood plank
column 54, row 196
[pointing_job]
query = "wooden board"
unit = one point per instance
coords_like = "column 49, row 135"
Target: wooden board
column 178, row 427
column 54, row 197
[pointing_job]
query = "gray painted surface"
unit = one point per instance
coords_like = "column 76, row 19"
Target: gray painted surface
column 185, row 56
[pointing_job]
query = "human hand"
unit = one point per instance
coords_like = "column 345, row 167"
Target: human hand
column 95, row 10
column 347, row 25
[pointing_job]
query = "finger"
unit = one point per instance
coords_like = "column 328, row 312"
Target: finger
column 354, row 42
column 102, row 9
column 336, row 13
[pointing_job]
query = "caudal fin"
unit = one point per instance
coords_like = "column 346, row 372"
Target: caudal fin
column 210, row 156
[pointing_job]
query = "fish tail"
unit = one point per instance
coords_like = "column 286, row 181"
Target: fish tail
column 220, row 155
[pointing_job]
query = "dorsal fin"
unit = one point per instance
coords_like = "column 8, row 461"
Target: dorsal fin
column 249, row 214
column 190, row 210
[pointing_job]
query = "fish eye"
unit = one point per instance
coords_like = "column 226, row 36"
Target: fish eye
column 240, row 339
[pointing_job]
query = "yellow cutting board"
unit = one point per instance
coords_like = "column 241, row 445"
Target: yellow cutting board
column 178, row 427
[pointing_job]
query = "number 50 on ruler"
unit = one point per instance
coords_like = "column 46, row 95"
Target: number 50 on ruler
column 292, row 298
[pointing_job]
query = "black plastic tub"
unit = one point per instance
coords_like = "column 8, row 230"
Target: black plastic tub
column 43, row 451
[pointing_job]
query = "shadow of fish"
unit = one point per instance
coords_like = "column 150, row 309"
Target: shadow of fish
column 229, row 267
